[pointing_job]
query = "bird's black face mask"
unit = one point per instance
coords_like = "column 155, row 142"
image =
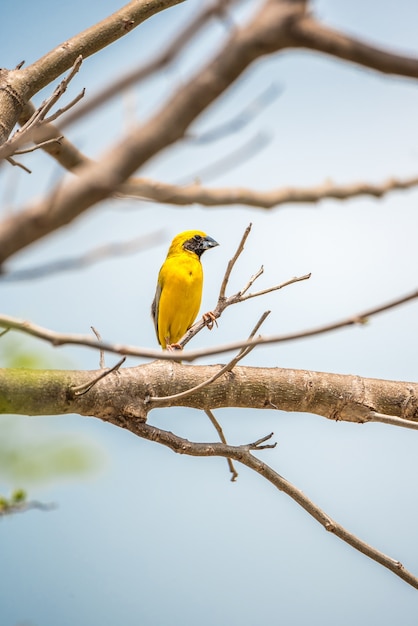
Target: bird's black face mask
column 199, row 244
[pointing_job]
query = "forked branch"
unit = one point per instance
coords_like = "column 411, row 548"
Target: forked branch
column 242, row 454
column 240, row 296
column 25, row 134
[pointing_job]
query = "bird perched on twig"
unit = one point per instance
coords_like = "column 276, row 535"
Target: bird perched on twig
column 179, row 287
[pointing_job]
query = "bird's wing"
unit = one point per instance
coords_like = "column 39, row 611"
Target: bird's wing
column 155, row 306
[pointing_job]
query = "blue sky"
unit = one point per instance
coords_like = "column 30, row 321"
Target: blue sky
column 157, row 539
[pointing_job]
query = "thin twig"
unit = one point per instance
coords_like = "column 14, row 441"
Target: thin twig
column 67, row 107
column 252, row 280
column 48, row 142
column 224, row 302
column 291, row 281
column 102, row 363
column 391, row 420
column 220, row 432
column 12, row 161
column 240, row 120
column 233, row 261
column 228, row 162
column 25, row 134
column 82, row 389
column 60, row 90
column 226, row 368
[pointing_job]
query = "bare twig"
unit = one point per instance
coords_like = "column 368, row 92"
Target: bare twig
column 210, row 414
column 25, row 134
column 102, row 363
column 59, row 339
column 226, row 368
column 239, row 121
column 240, row 296
column 67, row 107
column 82, row 389
column 43, row 144
column 243, row 455
column 17, row 164
column 291, row 281
column 220, row 432
column 232, row 262
column 391, row 420
column 228, row 162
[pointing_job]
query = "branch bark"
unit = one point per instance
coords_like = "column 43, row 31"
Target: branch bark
column 126, row 395
column 308, row 33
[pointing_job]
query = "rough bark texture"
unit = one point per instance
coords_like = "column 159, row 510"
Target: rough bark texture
column 130, row 392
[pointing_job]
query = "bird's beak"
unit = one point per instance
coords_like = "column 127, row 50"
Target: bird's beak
column 208, row 242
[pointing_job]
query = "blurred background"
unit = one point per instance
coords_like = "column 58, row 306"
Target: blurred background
column 140, row 535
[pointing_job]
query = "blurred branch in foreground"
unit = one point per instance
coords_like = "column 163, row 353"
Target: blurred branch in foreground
column 101, row 253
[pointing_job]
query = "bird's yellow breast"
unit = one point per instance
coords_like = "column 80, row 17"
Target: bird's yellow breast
column 180, row 280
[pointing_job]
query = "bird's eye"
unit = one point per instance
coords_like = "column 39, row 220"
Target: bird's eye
column 198, row 238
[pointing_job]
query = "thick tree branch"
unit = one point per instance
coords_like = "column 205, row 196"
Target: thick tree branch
column 125, row 394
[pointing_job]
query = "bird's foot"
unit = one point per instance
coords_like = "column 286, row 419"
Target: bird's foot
column 209, row 320
column 173, row 346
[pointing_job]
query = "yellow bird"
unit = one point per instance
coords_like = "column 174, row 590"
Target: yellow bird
column 179, row 287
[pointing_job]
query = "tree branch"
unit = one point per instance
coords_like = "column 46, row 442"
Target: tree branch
column 18, row 86
column 265, row 33
column 25, row 134
column 273, row 28
column 308, row 33
column 242, row 454
column 59, row 339
column 71, row 158
column 163, row 59
column 106, row 251
column 235, row 196
column 220, row 432
column 125, row 394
